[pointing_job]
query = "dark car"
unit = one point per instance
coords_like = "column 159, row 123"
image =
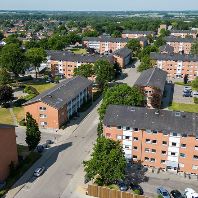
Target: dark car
column 163, row 192
column 40, row 148
column 49, row 142
column 176, row 194
column 187, row 94
column 134, row 187
column 122, row 186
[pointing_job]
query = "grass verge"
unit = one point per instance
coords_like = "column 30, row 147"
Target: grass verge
column 5, row 116
column 184, row 107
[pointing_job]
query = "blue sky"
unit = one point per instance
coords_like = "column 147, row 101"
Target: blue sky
column 90, row 5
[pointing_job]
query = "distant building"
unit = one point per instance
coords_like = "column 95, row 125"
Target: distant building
column 55, row 106
column 152, row 83
column 136, row 34
column 8, row 150
column 177, row 65
column 159, row 139
column 180, row 45
column 184, row 33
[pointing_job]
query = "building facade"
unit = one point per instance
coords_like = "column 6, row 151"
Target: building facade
column 8, row 150
column 54, row 107
column 177, row 65
column 184, row 33
column 152, row 83
column 136, row 34
column 180, row 45
column 161, row 139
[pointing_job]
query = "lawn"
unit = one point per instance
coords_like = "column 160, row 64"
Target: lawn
column 184, row 107
column 19, row 113
column 5, row 116
column 79, row 51
column 41, row 87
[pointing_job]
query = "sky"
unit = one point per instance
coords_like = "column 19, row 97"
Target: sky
column 98, row 5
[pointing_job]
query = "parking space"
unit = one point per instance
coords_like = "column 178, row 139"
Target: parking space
column 178, row 95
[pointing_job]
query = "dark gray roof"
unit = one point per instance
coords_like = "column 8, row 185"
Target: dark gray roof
column 184, row 31
column 7, row 126
column 166, row 48
column 62, row 93
column 174, row 57
column 69, row 56
column 123, row 52
column 144, row 118
column 138, row 32
column 180, row 40
column 153, row 77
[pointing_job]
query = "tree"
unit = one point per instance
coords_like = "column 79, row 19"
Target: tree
column 12, row 58
column 4, row 76
column 146, row 63
column 12, row 39
column 107, row 163
column 56, row 42
column 85, row 70
column 159, row 41
column 90, row 33
column 6, row 94
column 121, row 95
column 147, row 50
column 150, row 38
column 186, row 79
column 104, row 72
column 164, row 32
column 134, row 45
column 35, row 57
column 116, row 33
column 194, row 48
column 33, row 135
column 194, row 83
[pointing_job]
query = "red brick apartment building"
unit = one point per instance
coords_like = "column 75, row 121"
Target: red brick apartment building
column 158, row 138
column 8, row 149
column 177, row 65
column 152, row 82
column 106, row 44
column 54, row 107
column 136, row 34
column 180, row 45
column 184, row 33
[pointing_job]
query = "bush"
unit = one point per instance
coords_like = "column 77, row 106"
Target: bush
column 100, row 129
column 25, row 78
column 196, row 100
column 22, row 122
column 30, row 90
column 29, row 97
column 19, row 102
column 137, row 192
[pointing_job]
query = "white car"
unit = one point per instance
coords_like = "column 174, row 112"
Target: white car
column 190, row 193
column 195, row 94
column 39, row 171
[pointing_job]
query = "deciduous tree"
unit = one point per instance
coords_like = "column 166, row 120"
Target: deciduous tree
column 134, row 45
column 4, row 77
column 85, row 70
column 6, row 94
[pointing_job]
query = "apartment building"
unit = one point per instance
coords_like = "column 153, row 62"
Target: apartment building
column 107, row 44
column 136, row 34
column 177, row 65
column 158, row 138
column 180, row 45
column 122, row 56
column 55, row 106
column 152, row 82
column 63, row 63
column 184, row 33
column 8, row 149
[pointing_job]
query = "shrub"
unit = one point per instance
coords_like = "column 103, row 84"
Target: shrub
column 25, row 78
column 29, row 97
column 137, row 192
column 19, row 102
column 22, row 122
column 30, row 90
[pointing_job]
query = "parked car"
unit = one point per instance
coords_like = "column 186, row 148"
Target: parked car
column 163, row 192
column 195, row 94
column 122, row 186
column 190, row 193
column 176, row 194
column 187, row 94
column 39, row 171
column 49, row 142
column 134, row 186
column 40, row 148
column 187, row 88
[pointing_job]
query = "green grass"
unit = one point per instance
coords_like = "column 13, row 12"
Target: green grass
column 184, row 107
column 182, row 83
column 79, row 51
column 19, row 113
column 5, row 116
column 41, row 87
column 21, row 169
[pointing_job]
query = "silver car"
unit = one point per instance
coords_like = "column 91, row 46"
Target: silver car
column 39, row 171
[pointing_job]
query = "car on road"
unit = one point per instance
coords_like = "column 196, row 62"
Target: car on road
column 187, row 94
column 122, row 186
column 39, row 171
column 49, row 142
column 163, row 192
column 176, row 194
column 137, row 187
column 187, row 88
column 190, row 193
column 195, row 94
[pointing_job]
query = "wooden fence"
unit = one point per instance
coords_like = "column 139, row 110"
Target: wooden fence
column 104, row 192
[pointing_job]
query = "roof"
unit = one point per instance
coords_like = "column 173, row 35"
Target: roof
column 174, row 57
column 6, row 126
column 144, row 118
column 69, row 56
column 153, row 77
column 62, row 93
column 138, row 32
column 123, row 52
column 166, row 48
column 184, row 31
column 180, row 40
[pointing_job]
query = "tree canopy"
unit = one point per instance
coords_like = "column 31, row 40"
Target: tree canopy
column 107, row 163
column 4, row 77
column 121, row 95
column 146, row 63
column 85, row 70
column 194, row 48
column 134, row 45
column 194, row 83
column 6, row 94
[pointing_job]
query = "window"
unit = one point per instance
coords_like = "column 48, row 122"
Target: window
column 135, row 129
column 134, row 156
column 146, row 159
column 184, row 135
column 153, row 150
column 196, row 148
column 174, row 144
column 127, row 147
column 165, row 133
column 163, row 161
column 135, row 148
column 135, row 139
column 183, row 145
column 163, row 152
column 175, row 134
column 43, row 116
column 127, row 137
column 181, row 165
column 182, row 155
column 152, row 159
column 119, row 127
column 43, row 123
column 148, row 130
column 147, row 150
column 164, row 142
column 173, row 153
column 119, row 137
column 148, row 141
column 154, row 131
column 108, row 134
column 154, row 141
column 195, row 167
column 42, row 108
column 128, row 128
column 195, row 157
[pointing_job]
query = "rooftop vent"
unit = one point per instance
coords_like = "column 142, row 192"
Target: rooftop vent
column 178, row 114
